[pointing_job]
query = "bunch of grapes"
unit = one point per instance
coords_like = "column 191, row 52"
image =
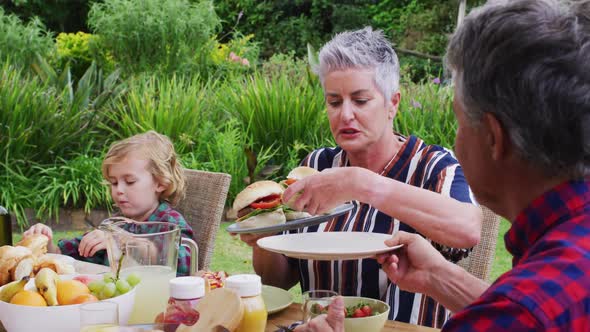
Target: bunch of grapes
column 111, row 286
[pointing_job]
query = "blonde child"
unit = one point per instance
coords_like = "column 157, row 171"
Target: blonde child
column 146, row 180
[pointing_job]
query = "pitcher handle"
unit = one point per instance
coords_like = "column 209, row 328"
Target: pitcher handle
column 194, row 254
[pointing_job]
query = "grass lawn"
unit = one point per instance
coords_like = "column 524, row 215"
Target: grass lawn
column 233, row 256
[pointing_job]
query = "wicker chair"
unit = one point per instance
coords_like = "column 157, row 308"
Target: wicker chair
column 202, row 207
column 479, row 262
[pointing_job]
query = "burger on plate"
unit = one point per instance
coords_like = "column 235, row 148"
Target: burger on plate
column 296, row 174
column 260, row 205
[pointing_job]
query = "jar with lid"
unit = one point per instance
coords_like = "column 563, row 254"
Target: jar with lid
column 185, row 293
column 5, row 227
column 249, row 288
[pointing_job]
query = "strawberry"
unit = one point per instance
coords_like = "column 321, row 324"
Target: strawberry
column 367, row 310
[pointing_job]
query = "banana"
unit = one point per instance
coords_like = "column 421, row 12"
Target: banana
column 12, row 288
column 46, row 283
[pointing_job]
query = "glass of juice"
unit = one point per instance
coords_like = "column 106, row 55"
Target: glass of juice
column 99, row 316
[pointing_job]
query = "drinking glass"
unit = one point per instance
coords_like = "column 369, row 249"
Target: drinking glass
column 313, row 299
column 97, row 316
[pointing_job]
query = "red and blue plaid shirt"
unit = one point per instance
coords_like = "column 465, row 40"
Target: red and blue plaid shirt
column 548, row 288
column 164, row 213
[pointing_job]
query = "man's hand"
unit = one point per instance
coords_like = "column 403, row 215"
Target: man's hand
column 411, row 266
column 332, row 322
column 324, row 191
column 91, row 243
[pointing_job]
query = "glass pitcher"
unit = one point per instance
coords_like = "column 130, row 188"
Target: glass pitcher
column 150, row 250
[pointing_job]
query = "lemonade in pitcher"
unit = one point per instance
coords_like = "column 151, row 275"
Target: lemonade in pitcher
column 152, row 292
column 150, row 251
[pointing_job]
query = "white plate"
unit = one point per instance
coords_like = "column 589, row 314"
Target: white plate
column 292, row 224
column 328, row 245
column 64, row 258
column 276, row 299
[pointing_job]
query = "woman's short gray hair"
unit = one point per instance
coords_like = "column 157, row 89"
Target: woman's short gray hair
column 365, row 48
column 528, row 63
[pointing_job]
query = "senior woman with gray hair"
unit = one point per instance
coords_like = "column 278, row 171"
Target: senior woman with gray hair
column 392, row 181
column 522, row 100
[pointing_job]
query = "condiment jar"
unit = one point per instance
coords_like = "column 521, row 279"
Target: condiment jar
column 185, row 292
column 5, row 228
column 249, row 288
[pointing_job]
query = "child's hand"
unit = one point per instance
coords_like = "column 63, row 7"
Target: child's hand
column 43, row 230
column 91, row 243
column 39, row 229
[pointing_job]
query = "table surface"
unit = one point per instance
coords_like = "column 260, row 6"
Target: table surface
column 284, row 317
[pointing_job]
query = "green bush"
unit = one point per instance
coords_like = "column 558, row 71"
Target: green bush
column 153, row 35
column 57, row 15
column 278, row 112
column 41, row 121
column 228, row 60
column 286, row 64
column 175, row 106
column 70, row 183
column 221, row 149
column 426, row 110
column 20, row 42
column 79, row 50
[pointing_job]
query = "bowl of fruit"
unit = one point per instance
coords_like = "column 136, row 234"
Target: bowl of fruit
column 363, row 314
column 51, row 302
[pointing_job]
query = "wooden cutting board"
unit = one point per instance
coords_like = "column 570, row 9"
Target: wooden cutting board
column 220, row 309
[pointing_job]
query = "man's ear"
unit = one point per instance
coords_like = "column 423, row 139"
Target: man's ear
column 395, row 99
column 497, row 139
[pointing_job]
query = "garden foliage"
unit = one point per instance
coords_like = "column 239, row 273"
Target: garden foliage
column 148, row 35
column 238, row 99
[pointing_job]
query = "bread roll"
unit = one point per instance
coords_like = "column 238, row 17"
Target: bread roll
column 264, row 219
column 37, row 243
column 254, row 192
column 10, row 257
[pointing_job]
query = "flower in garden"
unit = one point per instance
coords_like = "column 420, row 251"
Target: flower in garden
column 245, row 62
column 416, row 104
column 436, row 80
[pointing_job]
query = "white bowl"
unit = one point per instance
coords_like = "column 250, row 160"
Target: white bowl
column 65, row 318
column 366, row 324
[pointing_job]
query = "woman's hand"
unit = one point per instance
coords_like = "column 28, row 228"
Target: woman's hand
column 43, row 230
column 324, row 191
column 91, row 243
column 411, row 266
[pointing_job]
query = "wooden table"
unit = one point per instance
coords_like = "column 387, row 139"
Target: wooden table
column 284, row 317
column 293, row 313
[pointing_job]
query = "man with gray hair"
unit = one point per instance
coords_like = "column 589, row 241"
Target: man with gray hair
column 522, row 100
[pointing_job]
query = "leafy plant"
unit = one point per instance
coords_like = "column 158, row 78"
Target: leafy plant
column 70, row 183
column 223, row 151
column 16, row 191
column 177, row 106
column 277, row 112
column 153, row 34
column 57, row 15
column 285, row 64
column 79, row 50
column 426, row 111
column 20, row 42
